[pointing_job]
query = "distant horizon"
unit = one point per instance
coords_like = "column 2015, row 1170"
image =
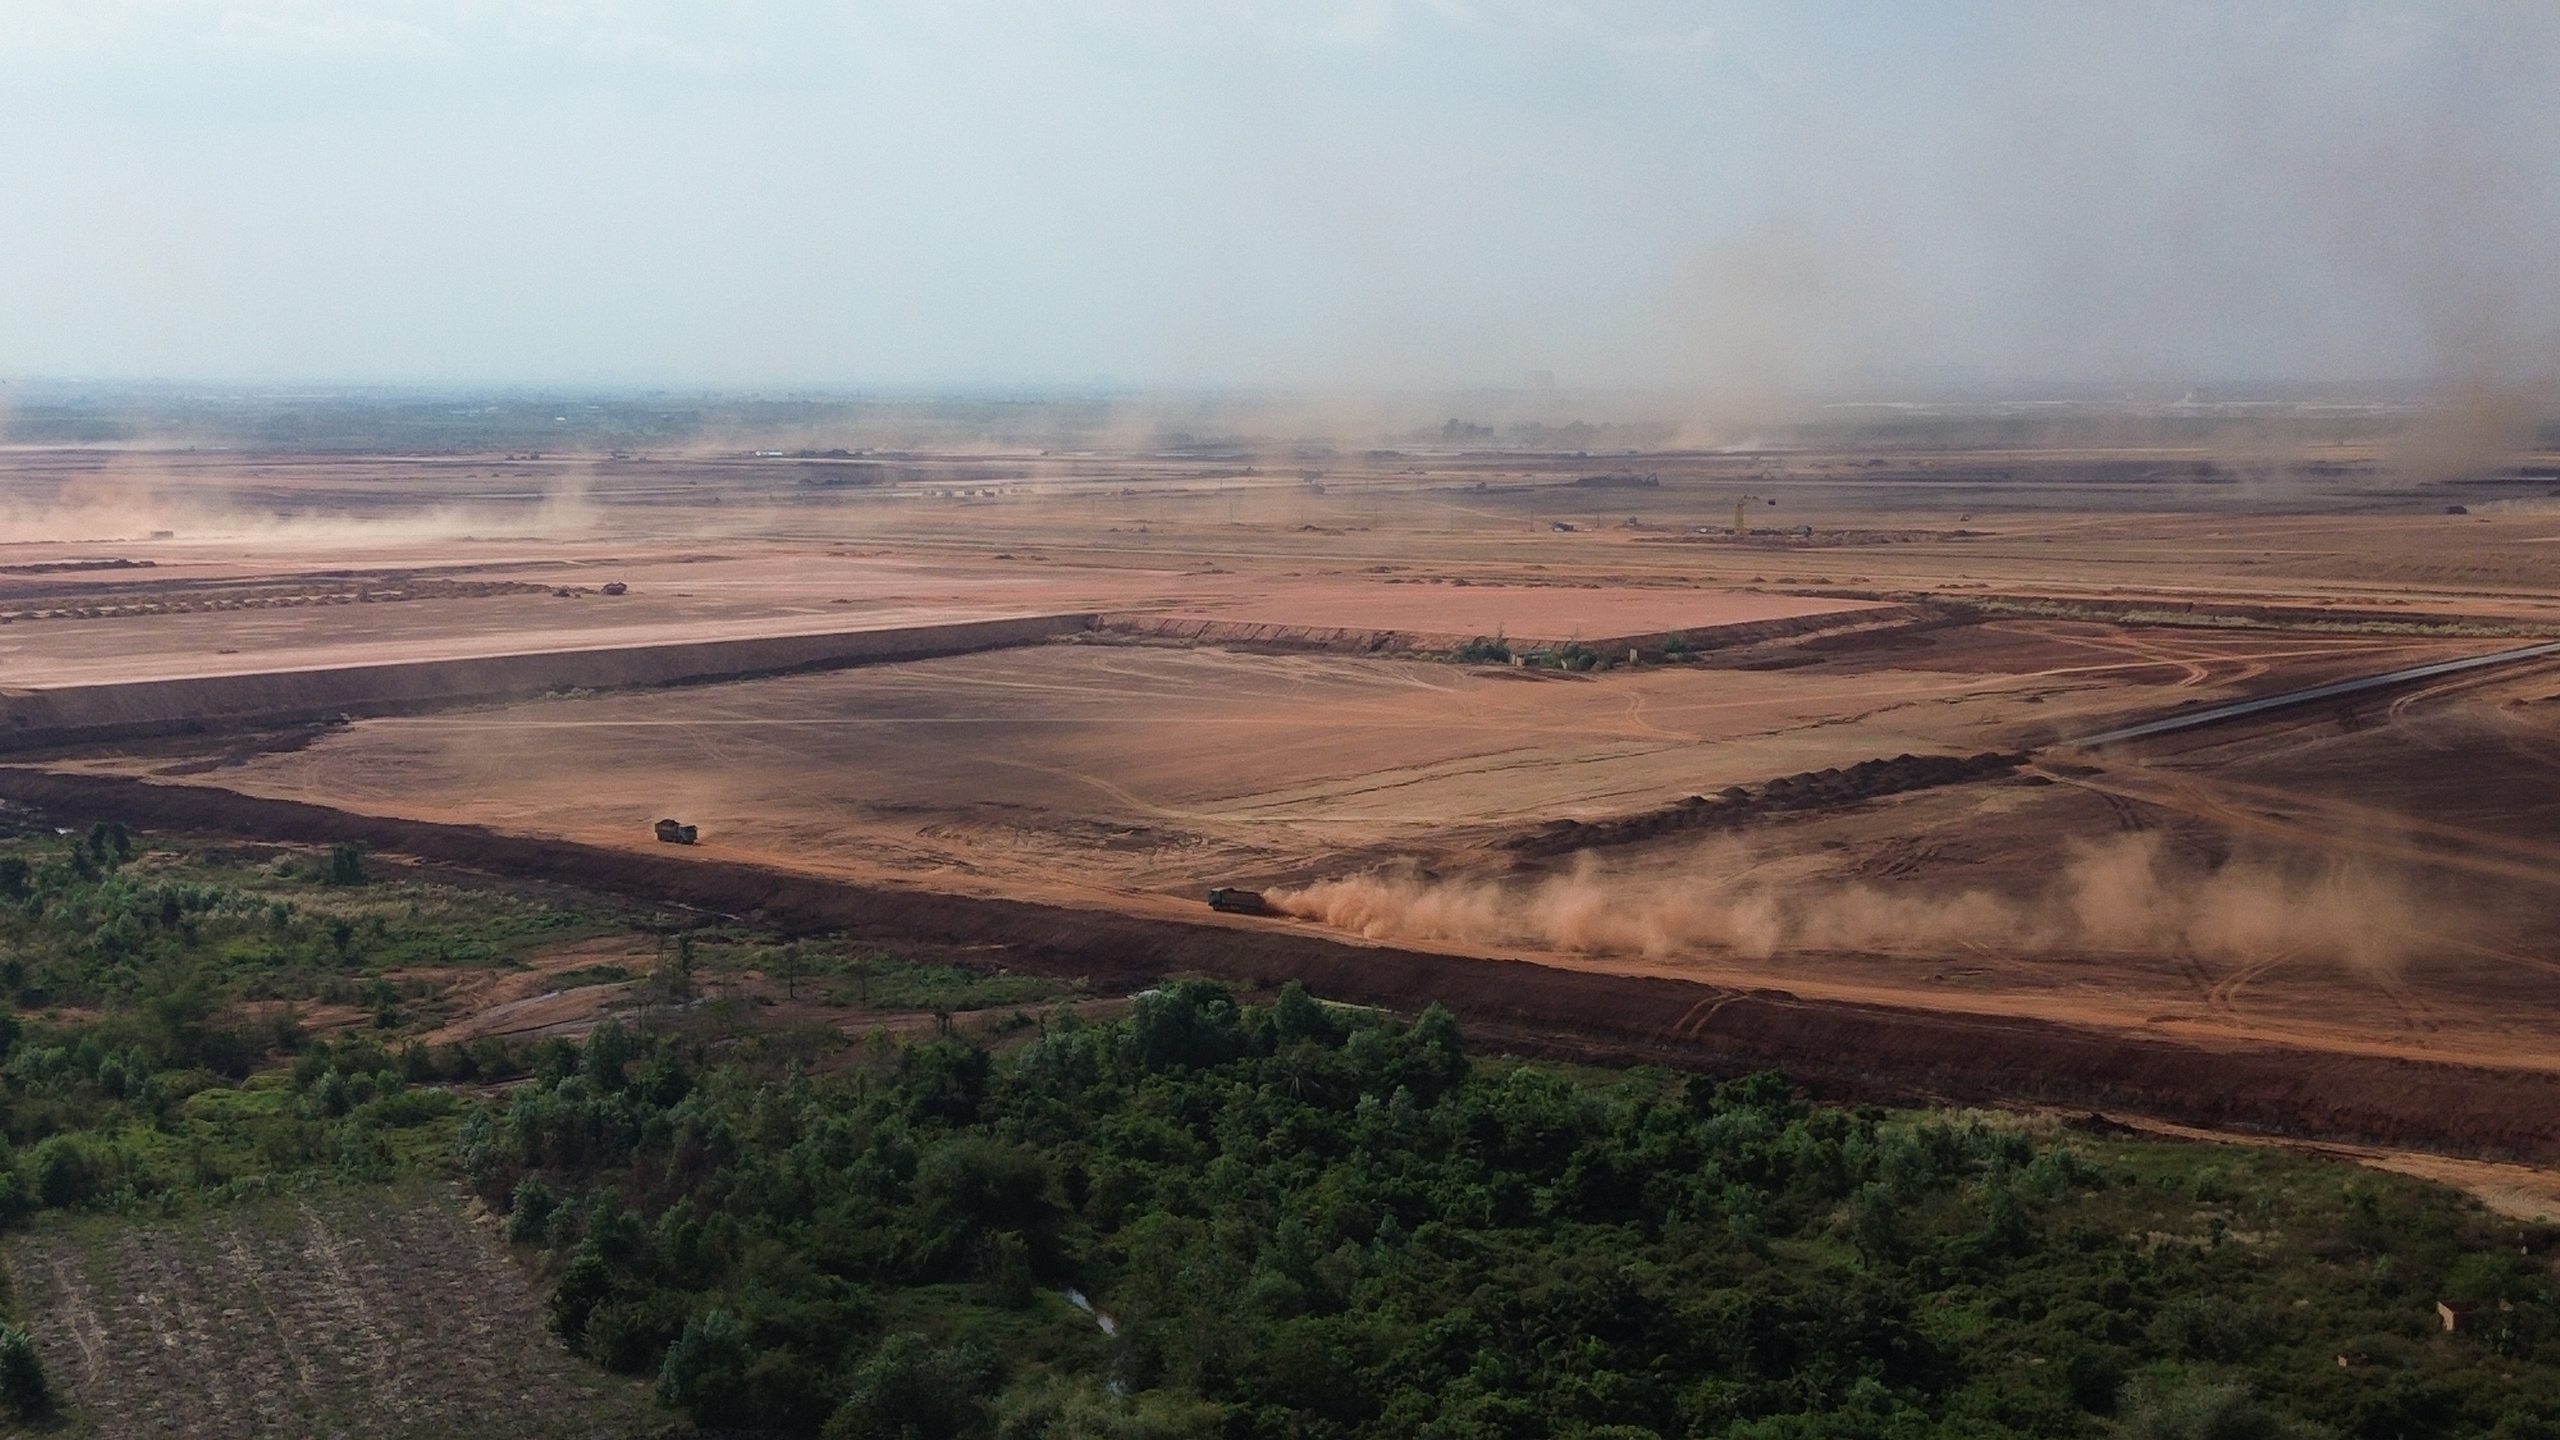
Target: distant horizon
column 2427, row 432
column 2171, row 393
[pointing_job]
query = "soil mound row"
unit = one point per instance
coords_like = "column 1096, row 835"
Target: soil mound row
column 2227, row 615
column 1738, row 805
column 33, row 719
column 1836, row 1049
column 1353, row 640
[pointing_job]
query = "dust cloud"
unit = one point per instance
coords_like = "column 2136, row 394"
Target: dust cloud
column 2256, row 201
column 2481, row 429
column 2126, row 894
column 120, row 506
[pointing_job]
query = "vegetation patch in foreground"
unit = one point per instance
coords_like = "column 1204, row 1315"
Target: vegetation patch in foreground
column 216, row 1094
column 1214, row 1219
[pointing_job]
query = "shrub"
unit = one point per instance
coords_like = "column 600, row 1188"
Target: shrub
column 1296, row 1016
column 1191, row 1023
column 608, row 1051
column 67, row 1172
column 585, row 1285
column 632, row 1335
column 529, row 1218
column 2210, row 1327
column 412, row 1107
column 2095, row 1379
column 911, row 1390
column 346, row 864
column 1046, row 1408
column 705, row 1372
column 24, row 1391
column 2199, row 1412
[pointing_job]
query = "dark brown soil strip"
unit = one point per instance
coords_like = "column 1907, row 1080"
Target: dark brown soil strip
column 1737, row 806
column 1836, row 1050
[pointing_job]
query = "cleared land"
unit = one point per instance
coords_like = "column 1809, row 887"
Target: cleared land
column 2369, row 880
column 341, row 1311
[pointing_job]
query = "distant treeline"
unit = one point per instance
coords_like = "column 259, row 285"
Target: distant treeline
column 532, row 422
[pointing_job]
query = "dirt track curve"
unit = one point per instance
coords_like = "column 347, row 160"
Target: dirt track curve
column 1836, row 1050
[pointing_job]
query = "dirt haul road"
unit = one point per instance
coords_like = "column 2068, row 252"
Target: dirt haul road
column 1586, row 821
column 2353, row 888
column 1838, row 1050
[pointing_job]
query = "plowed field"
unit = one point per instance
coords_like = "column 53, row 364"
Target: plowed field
column 354, row 1312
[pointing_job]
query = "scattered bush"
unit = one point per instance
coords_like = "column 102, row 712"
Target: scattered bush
column 911, row 1389
column 2199, row 1412
column 24, row 1391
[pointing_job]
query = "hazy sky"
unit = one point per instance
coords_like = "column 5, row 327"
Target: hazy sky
column 1374, row 192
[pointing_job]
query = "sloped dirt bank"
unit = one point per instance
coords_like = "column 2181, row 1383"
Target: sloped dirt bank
column 32, row 719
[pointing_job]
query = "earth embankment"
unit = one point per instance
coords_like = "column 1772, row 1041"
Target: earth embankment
column 1837, row 1049
column 72, row 714
column 1375, row 640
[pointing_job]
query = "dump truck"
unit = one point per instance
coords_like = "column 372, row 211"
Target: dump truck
column 675, row 832
column 1240, row 902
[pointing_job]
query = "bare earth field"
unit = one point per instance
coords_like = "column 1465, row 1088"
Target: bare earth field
column 356, row 1312
column 1266, row 695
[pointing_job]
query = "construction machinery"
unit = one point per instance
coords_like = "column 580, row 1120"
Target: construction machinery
column 1742, row 529
column 1239, row 902
column 675, row 832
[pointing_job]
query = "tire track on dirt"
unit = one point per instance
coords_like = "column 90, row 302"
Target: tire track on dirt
column 374, row 1356
column 2342, row 826
column 246, row 1276
column 2224, row 998
column 80, row 1316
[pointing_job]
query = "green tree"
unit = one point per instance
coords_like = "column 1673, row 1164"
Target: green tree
column 346, row 863
column 608, row 1052
column 705, row 1372
column 912, row 1390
